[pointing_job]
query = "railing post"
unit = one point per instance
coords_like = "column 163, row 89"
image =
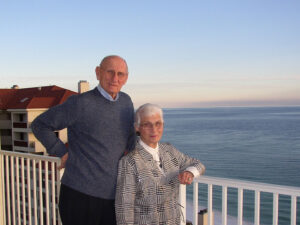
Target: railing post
column 182, row 202
column 224, row 205
column 60, row 173
column 240, row 206
column 275, row 208
column 210, row 204
column 257, row 208
column 195, row 203
column 293, row 209
column 2, row 198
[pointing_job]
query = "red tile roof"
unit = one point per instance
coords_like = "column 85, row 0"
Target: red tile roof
column 32, row 98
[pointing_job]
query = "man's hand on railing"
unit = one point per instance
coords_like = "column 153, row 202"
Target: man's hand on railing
column 186, row 177
column 63, row 161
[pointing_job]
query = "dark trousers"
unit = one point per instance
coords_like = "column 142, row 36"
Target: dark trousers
column 77, row 208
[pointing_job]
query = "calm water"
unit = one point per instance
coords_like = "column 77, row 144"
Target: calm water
column 256, row 144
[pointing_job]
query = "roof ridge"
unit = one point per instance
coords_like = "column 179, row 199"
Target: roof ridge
column 35, row 97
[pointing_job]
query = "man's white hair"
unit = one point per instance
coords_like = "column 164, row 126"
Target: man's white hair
column 147, row 109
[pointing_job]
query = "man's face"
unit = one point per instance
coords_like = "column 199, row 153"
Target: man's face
column 112, row 75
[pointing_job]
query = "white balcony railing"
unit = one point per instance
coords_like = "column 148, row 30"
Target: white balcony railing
column 29, row 189
column 30, row 184
column 241, row 187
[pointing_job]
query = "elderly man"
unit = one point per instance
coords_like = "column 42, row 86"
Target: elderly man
column 100, row 129
column 149, row 176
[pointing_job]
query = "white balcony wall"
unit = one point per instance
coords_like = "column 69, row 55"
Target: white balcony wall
column 29, row 187
column 30, row 184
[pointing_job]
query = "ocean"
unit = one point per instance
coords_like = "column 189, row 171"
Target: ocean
column 248, row 143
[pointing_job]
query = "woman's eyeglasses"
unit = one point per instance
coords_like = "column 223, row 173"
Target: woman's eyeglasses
column 149, row 125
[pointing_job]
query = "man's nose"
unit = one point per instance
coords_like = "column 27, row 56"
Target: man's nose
column 115, row 77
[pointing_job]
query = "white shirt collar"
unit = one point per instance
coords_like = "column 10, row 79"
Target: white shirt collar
column 106, row 95
column 152, row 151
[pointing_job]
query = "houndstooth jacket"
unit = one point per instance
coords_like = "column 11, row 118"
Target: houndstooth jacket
column 146, row 196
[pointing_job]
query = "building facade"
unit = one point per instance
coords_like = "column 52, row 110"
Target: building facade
column 19, row 107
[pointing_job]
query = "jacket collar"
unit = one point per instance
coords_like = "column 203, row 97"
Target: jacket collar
column 148, row 160
column 170, row 173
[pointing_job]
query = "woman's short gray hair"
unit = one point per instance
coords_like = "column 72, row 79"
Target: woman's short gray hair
column 147, row 109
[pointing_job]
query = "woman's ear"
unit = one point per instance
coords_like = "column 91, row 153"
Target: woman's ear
column 137, row 129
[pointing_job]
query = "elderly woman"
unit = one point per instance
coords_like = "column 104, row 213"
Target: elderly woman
column 149, row 176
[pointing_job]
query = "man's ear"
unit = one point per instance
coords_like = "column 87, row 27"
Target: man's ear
column 97, row 71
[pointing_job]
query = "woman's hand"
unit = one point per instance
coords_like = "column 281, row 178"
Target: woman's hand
column 186, row 177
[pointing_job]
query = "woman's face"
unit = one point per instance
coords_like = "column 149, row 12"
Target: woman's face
column 151, row 129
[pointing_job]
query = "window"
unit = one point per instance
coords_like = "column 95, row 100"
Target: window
column 5, row 132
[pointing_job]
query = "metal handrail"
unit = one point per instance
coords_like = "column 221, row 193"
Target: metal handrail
column 240, row 185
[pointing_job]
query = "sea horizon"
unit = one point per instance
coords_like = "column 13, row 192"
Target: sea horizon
column 260, row 144
column 254, row 106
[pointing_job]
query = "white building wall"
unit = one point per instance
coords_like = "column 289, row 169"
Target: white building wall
column 31, row 115
column 24, row 134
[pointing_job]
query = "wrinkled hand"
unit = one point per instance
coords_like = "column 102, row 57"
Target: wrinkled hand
column 63, row 161
column 186, row 177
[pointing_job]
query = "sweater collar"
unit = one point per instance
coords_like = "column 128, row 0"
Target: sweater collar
column 106, row 95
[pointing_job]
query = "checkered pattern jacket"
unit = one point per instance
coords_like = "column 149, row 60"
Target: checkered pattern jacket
column 146, row 196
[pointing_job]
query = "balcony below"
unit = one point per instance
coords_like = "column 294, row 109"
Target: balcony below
column 21, row 143
column 19, row 125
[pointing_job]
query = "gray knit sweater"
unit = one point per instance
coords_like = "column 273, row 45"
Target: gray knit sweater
column 99, row 131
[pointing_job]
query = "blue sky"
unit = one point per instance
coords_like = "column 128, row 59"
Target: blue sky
column 179, row 53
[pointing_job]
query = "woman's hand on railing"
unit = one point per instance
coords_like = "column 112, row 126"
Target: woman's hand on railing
column 186, row 177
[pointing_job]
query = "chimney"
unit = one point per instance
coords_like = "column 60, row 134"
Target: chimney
column 83, row 86
column 15, row 86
